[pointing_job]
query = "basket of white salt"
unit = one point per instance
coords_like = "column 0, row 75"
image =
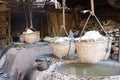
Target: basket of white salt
column 30, row 36
column 92, row 47
column 62, row 46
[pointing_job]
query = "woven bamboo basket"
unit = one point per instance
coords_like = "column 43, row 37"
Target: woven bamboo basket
column 21, row 38
column 32, row 37
column 62, row 49
column 91, row 52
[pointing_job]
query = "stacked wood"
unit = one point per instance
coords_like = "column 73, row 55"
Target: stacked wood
column 115, row 44
column 5, row 30
column 2, row 43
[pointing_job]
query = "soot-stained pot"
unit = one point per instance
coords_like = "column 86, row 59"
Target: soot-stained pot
column 43, row 62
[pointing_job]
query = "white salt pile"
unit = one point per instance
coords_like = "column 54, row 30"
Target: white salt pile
column 56, row 39
column 91, row 35
column 61, row 39
column 48, row 39
column 28, row 31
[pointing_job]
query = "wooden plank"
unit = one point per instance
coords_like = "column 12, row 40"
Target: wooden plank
column 5, row 29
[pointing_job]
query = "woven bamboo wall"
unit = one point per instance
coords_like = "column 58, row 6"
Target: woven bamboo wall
column 55, row 22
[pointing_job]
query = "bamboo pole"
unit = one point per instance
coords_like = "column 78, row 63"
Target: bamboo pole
column 92, row 7
column 63, row 10
column 26, row 16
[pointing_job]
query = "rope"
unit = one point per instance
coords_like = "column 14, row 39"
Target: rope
column 108, row 49
column 26, row 19
column 70, row 43
column 101, row 25
column 63, row 12
column 63, row 26
column 93, row 14
column 85, row 25
column 92, row 7
column 30, row 15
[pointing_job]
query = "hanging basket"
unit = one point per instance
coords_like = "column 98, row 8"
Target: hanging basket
column 32, row 37
column 62, row 49
column 91, row 52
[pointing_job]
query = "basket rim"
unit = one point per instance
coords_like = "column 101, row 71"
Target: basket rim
column 92, row 41
column 32, row 33
column 61, row 42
